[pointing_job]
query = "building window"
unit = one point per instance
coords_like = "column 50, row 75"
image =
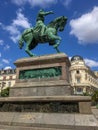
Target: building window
column 3, row 84
column 79, row 90
column 77, row 71
column 10, row 77
column 4, row 77
column 78, row 80
column 9, row 84
column 85, row 76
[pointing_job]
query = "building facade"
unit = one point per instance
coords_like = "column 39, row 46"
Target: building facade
column 96, row 73
column 82, row 78
column 7, row 78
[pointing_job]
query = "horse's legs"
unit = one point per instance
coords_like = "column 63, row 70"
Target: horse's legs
column 56, row 47
column 28, row 52
column 27, row 49
column 57, row 39
column 58, row 51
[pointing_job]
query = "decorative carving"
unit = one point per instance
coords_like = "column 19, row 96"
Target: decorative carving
column 40, row 73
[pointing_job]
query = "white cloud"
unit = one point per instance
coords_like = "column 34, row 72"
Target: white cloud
column 1, row 42
column 66, row 3
column 14, row 29
column 7, row 47
column 0, row 55
column 6, row 61
column 7, row 67
column 1, row 65
column 33, row 3
column 15, row 38
column 0, row 24
column 85, row 28
column 21, row 20
column 14, row 32
column 19, row 2
column 70, row 58
column 91, row 63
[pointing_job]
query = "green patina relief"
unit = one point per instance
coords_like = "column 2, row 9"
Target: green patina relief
column 40, row 73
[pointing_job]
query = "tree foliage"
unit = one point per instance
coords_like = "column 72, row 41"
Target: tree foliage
column 5, row 92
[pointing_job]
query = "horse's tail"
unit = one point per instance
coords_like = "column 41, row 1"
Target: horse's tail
column 21, row 42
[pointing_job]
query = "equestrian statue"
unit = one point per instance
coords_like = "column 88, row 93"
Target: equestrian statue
column 42, row 33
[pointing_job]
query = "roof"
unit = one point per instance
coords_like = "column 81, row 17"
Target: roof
column 76, row 57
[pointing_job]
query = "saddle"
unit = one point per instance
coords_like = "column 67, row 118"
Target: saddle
column 43, row 37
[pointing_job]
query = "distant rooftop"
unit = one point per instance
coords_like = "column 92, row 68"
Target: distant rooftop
column 76, row 57
column 7, row 71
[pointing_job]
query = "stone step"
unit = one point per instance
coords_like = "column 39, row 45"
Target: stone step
column 6, row 127
column 61, row 104
column 45, row 98
column 47, row 121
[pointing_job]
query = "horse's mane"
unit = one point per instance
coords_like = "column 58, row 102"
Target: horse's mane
column 53, row 22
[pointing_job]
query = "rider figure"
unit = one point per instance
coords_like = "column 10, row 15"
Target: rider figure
column 40, row 21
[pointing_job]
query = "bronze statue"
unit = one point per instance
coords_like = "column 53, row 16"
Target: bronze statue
column 40, row 26
column 42, row 33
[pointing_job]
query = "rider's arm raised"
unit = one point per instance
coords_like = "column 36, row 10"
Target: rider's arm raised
column 46, row 13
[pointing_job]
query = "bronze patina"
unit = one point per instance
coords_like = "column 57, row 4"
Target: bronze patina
column 42, row 33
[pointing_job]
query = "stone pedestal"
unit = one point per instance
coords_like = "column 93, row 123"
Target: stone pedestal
column 46, row 79
column 42, row 96
column 42, row 76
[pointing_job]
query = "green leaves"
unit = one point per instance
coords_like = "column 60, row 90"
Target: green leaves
column 5, row 92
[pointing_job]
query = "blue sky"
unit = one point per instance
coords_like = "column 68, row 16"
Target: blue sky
column 80, row 36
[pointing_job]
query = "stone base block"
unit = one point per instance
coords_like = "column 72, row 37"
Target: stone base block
column 40, row 91
column 85, row 107
column 45, row 121
column 42, row 76
column 57, row 104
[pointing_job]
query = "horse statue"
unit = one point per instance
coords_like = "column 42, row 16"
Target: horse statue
column 32, row 35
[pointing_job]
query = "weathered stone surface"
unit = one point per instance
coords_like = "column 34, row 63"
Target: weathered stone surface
column 46, row 98
column 38, row 59
column 42, row 86
column 40, row 91
column 45, row 107
column 43, row 91
column 6, row 118
column 85, row 120
column 28, row 128
column 85, row 107
column 46, row 61
column 59, row 104
column 49, row 121
column 95, row 112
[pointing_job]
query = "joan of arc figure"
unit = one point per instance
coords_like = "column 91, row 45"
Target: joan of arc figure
column 40, row 26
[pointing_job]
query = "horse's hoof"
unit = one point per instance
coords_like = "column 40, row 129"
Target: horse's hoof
column 33, row 55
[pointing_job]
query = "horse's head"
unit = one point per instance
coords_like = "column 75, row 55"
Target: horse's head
column 58, row 23
column 62, row 22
